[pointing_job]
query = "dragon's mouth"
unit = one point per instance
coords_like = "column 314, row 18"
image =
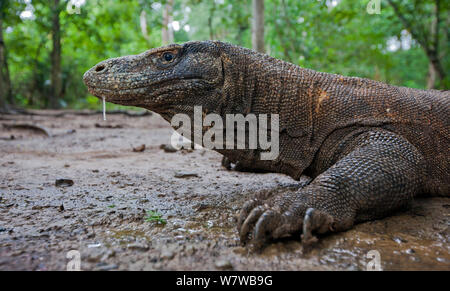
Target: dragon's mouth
column 130, row 96
column 116, row 95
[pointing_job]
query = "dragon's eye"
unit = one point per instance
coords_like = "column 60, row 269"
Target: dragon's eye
column 168, row 57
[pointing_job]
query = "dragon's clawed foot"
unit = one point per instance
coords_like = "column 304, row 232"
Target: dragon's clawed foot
column 261, row 221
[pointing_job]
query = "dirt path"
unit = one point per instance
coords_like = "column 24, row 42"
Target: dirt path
column 102, row 215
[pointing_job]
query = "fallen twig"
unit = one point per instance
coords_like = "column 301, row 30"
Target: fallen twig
column 26, row 126
column 37, row 128
column 108, row 126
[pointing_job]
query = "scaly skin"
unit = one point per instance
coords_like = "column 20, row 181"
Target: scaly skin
column 368, row 147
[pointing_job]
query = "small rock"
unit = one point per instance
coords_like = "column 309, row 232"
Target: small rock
column 179, row 237
column 240, row 250
column 185, row 175
column 61, row 208
column 139, row 149
column 103, row 267
column 90, row 235
column 115, row 174
column 168, row 148
column 94, row 245
column 64, row 183
column 223, row 265
column 399, row 240
column 138, row 247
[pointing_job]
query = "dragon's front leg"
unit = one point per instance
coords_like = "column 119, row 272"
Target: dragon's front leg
column 380, row 174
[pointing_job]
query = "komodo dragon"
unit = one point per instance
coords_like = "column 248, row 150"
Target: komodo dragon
column 369, row 147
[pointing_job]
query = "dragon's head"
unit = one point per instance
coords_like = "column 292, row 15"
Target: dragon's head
column 168, row 80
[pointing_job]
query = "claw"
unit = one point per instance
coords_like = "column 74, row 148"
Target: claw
column 307, row 237
column 249, row 222
column 317, row 221
column 246, row 209
column 264, row 227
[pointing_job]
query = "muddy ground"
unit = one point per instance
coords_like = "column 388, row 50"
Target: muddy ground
column 103, row 214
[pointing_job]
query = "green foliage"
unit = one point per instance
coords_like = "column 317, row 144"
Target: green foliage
column 153, row 216
column 341, row 39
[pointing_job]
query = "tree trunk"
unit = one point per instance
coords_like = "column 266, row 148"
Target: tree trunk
column 210, row 20
column 56, row 75
column 434, row 66
column 431, row 78
column 437, row 65
column 167, row 30
column 428, row 39
column 143, row 22
column 258, row 25
column 5, row 81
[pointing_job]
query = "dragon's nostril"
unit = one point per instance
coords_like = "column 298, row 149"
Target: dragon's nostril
column 99, row 68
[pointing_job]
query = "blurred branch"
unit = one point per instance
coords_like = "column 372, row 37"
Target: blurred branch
column 143, row 23
column 210, row 20
column 55, row 56
column 5, row 80
column 167, row 30
column 258, row 25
